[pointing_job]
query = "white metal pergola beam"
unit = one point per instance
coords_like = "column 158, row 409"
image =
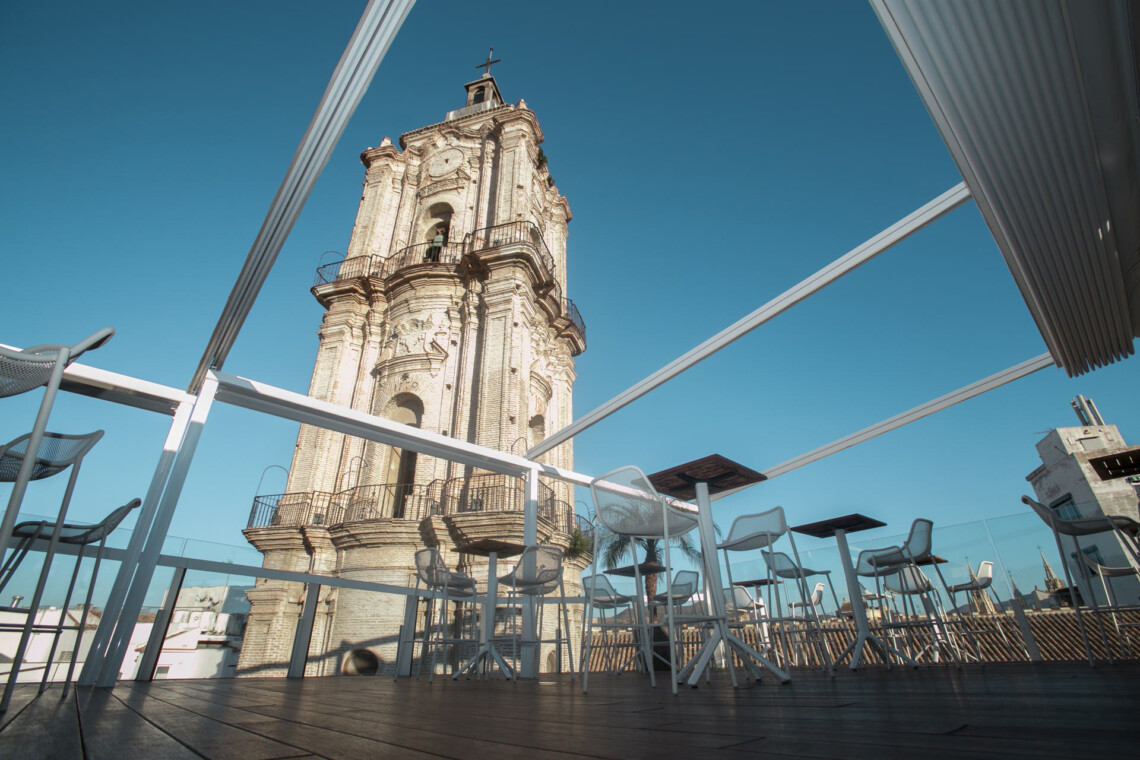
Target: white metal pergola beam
column 370, row 41
column 267, row 399
column 923, row 410
column 900, row 230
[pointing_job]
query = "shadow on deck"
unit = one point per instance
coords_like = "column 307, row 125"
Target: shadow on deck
column 1005, row 710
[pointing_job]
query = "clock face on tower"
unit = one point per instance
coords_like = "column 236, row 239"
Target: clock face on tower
column 444, row 162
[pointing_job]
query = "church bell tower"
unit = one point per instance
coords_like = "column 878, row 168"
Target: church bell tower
column 448, row 313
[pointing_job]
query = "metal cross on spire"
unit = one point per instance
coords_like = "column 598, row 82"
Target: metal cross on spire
column 487, row 63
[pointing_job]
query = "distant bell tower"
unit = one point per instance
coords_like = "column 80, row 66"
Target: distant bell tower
column 448, row 313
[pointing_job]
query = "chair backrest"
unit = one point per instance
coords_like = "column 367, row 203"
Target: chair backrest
column 737, row 597
column 431, row 569
column 756, row 531
column 985, row 574
column 685, row 584
column 538, row 565
column 57, row 452
column 780, row 562
column 21, row 371
column 909, row 580
column 626, row 503
column 603, row 591
column 917, row 544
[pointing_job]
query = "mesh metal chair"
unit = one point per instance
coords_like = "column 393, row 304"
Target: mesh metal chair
column 56, row 453
column 1126, row 530
column 539, row 572
column 814, row 601
column 901, row 564
column 20, row 372
column 602, row 597
column 745, row 610
column 73, row 535
column 626, row 503
column 978, row 584
column 446, row 585
column 761, row 531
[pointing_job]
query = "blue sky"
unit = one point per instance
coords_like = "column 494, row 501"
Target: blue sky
column 711, row 161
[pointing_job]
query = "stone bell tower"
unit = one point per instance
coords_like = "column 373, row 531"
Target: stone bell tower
column 448, row 313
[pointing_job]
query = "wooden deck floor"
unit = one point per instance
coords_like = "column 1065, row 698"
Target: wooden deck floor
column 1033, row 710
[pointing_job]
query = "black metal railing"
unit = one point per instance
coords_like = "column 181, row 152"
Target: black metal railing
column 511, row 233
column 348, row 269
column 291, row 509
column 423, row 253
column 480, row 493
column 570, row 311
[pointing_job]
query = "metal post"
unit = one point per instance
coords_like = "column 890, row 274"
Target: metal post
column 95, row 654
column 149, row 661
column 529, row 647
column 405, row 650
column 124, row 626
column 304, row 633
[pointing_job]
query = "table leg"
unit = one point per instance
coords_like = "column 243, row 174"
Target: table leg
column 487, row 650
column 721, row 633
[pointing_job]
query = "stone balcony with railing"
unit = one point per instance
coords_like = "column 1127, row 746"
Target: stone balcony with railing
column 496, row 497
column 519, row 240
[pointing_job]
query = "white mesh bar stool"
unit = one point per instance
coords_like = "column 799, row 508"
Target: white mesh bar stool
column 73, row 535
column 626, row 503
column 23, row 371
column 781, row 566
column 539, row 572
column 895, row 560
column 761, row 531
column 602, row 597
column 448, row 586
column 979, row 583
column 908, row 582
column 746, row 611
column 56, row 453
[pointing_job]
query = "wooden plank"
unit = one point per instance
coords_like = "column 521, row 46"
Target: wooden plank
column 207, row 737
column 112, row 730
column 47, row 727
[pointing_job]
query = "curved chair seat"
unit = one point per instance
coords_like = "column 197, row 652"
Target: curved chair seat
column 539, row 572
column 75, row 535
column 56, row 453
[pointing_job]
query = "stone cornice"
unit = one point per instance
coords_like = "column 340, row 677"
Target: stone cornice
column 457, row 123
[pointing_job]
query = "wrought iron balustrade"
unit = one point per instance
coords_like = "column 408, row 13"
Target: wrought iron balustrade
column 423, row 253
column 348, row 269
column 407, row 501
column 291, row 509
column 511, row 233
column 570, row 311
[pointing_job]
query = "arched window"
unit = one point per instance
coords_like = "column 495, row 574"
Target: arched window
column 480, row 94
column 436, row 230
column 400, row 476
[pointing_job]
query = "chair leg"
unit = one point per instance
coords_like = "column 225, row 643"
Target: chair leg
column 86, row 609
column 566, row 629
column 62, row 620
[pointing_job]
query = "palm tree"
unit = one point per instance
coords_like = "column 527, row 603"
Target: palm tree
column 615, row 547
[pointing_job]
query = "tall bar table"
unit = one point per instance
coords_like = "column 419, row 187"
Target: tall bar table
column 697, row 480
column 491, row 548
column 839, row 527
